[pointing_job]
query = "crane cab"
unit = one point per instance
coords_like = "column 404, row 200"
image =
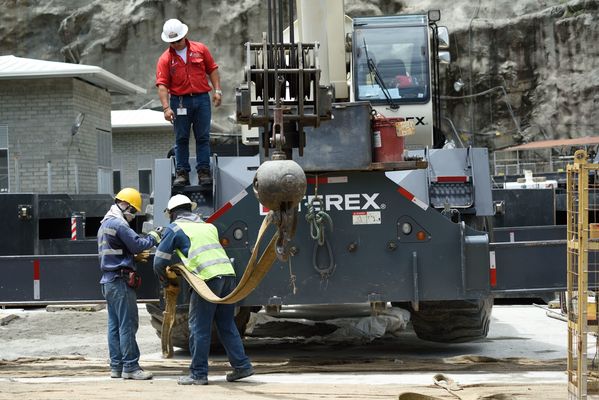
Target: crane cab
column 392, row 70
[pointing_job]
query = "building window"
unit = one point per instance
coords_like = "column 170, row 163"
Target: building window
column 104, row 148
column 105, row 180
column 145, row 181
column 104, row 156
column 4, row 179
column 3, row 170
column 116, row 181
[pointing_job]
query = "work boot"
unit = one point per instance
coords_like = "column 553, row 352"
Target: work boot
column 182, row 178
column 115, row 373
column 239, row 373
column 138, row 375
column 204, row 177
column 188, row 380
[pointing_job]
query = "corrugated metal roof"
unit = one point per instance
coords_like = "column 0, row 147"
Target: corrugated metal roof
column 12, row 67
column 545, row 144
column 138, row 119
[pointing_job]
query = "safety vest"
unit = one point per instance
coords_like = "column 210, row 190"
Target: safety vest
column 206, row 257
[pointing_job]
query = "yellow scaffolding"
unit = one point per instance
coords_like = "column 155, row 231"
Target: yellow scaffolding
column 583, row 268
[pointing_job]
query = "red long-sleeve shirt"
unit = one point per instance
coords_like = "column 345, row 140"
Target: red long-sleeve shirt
column 184, row 78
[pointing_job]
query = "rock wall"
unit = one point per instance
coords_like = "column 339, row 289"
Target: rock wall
column 542, row 53
column 546, row 61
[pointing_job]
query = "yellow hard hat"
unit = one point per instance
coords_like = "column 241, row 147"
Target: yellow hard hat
column 131, row 196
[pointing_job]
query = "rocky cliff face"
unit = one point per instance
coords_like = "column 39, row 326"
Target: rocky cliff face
column 540, row 57
column 542, row 63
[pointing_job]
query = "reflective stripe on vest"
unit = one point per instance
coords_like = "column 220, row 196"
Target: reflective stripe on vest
column 206, row 257
column 116, row 252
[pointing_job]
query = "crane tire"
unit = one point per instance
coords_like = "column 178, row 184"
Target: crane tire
column 455, row 321
column 180, row 330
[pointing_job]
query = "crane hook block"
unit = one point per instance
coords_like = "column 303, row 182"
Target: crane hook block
column 280, row 184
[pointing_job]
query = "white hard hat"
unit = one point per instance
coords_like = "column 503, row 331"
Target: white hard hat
column 173, row 30
column 179, row 200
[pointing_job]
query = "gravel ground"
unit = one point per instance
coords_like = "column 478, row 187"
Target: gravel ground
column 38, row 333
column 63, row 355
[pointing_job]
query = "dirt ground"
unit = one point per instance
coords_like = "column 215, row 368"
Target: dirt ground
column 63, row 355
column 217, row 391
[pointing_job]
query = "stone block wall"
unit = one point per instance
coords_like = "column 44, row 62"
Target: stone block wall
column 43, row 155
column 134, row 150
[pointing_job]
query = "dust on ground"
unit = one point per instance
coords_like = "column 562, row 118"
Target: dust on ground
column 161, row 389
column 38, row 333
column 64, row 355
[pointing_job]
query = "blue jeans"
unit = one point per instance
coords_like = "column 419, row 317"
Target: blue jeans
column 199, row 114
column 201, row 314
column 123, row 321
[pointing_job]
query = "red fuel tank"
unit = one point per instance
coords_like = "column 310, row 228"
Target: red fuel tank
column 388, row 145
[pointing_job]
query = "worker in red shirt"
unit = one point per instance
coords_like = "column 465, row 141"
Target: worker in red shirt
column 182, row 72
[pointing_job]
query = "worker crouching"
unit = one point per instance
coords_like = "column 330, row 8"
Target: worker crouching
column 194, row 243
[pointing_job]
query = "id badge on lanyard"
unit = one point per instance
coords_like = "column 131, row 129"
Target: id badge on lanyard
column 181, row 110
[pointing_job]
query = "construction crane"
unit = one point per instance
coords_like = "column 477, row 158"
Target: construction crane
column 369, row 205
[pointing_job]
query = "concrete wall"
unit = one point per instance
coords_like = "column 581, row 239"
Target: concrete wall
column 134, row 150
column 39, row 114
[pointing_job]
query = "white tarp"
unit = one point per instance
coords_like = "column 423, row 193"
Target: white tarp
column 389, row 322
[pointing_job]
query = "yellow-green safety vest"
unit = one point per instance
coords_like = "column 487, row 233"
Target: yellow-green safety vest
column 206, row 257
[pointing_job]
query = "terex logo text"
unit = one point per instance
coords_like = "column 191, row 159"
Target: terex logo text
column 340, row 202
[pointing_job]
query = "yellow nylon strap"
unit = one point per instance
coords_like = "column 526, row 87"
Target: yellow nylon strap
column 171, row 291
column 252, row 276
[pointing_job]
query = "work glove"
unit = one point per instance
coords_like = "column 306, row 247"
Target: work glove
column 171, row 276
column 167, row 277
column 142, row 257
column 156, row 233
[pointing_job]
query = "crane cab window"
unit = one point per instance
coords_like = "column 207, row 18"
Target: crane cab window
column 391, row 60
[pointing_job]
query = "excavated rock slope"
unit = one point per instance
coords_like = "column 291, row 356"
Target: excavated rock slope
column 542, row 53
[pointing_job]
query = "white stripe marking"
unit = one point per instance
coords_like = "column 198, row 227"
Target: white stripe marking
column 238, row 198
column 420, row 203
column 337, row 179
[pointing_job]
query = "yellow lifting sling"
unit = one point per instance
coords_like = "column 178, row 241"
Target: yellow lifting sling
column 252, row 276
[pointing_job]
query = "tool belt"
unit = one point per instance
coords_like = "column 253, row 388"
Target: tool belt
column 131, row 277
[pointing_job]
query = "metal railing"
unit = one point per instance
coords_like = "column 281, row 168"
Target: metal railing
column 582, row 273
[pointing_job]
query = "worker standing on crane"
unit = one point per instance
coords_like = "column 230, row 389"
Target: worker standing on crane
column 118, row 246
column 182, row 72
column 197, row 246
